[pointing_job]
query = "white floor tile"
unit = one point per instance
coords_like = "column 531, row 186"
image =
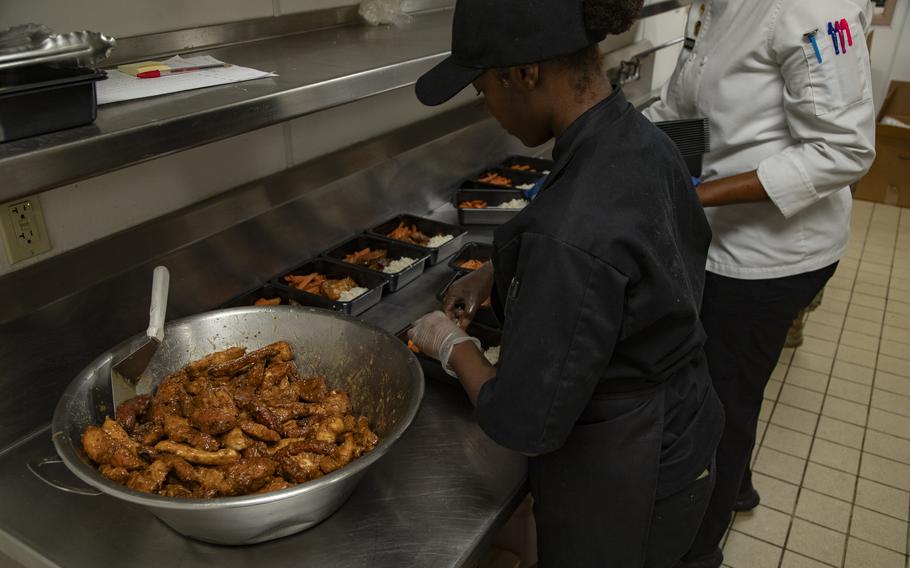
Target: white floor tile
column 832, row 457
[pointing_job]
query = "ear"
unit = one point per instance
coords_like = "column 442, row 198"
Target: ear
column 525, row 77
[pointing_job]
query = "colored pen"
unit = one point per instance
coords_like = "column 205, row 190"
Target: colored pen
column 162, row 73
column 811, row 36
column 833, row 33
column 845, row 25
column 839, row 28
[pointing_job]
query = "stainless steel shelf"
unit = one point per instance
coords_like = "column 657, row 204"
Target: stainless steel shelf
column 317, row 70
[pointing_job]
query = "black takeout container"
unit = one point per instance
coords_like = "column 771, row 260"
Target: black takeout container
column 430, row 228
column 517, row 178
column 396, row 249
column 471, row 251
column 490, row 215
column 369, row 279
column 538, row 165
column 433, row 368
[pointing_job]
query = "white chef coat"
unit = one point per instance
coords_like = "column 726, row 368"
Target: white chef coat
column 807, row 127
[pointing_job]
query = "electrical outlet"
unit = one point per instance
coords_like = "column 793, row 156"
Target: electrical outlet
column 24, row 232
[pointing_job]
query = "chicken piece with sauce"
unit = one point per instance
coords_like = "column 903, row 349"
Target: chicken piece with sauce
column 233, row 423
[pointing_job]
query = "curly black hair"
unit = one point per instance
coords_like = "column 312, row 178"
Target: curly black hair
column 610, row 17
column 602, row 18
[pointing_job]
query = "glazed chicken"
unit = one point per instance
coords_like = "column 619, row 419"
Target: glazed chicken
column 493, row 178
column 373, row 259
column 471, row 264
column 321, row 285
column 411, row 235
column 232, row 423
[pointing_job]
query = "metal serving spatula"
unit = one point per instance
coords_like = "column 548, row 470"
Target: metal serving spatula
column 125, row 374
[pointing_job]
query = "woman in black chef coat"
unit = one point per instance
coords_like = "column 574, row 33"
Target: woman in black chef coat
column 602, row 378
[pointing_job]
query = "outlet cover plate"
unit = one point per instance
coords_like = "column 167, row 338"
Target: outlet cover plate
column 23, row 228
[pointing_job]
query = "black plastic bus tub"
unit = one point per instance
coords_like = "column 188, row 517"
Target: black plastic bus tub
column 38, row 99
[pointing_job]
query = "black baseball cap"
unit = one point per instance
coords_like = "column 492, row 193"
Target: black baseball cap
column 504, row 33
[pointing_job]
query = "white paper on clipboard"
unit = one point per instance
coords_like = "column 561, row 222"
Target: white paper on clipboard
column 122, row 87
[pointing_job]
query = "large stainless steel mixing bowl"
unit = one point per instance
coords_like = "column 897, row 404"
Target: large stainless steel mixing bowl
column 382, row 376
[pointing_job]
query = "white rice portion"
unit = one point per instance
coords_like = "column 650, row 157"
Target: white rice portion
column 439, row 240
column 492, row 354
column 352, row 294
column 398, row 265
column 513, row 204
column 524, row 186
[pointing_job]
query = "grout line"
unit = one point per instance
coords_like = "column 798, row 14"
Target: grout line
column 802, row 480
column 871, row 391
column 872, row 237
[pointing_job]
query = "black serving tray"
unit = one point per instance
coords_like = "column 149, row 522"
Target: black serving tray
column 490, row 215
column 40, row 98
column 517, row 177
column 471, row 251
column 430, row 228
column 538, row 165
column 374, row 283
column 397, row 249
column 433, row 369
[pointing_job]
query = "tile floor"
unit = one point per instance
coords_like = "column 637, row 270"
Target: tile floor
column 832, row 458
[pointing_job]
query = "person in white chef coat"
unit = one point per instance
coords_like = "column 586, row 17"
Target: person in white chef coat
column 785, row 85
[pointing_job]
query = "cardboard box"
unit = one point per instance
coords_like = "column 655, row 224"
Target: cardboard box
column 889, row 179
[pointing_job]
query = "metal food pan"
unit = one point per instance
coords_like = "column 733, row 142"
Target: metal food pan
column 517, row 177
column 491, row 215
column 369, row 279
column 538, row 165
column 430, row 228
column 397, row 249
column 388, row 391
column 471, row 251
column 433, row 369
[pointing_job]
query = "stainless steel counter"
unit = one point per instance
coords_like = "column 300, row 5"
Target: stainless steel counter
column 435, row 500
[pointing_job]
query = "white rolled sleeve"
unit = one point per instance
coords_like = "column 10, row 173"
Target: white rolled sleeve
column 828, row 107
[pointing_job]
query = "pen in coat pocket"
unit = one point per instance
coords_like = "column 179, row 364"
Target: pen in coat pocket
column 845, row 25
column 833, row 33
column 811, row 37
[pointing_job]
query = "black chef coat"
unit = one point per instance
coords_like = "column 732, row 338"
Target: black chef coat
column 599, row 284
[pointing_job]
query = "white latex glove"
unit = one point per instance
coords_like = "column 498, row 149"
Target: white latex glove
column 436, row 335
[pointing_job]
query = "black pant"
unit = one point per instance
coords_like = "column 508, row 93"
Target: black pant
column 746, row 322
